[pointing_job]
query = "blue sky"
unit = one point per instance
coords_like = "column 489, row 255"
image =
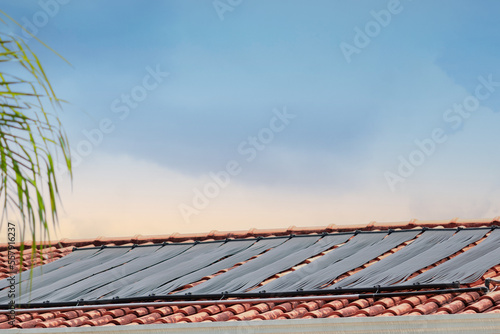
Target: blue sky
column 333, row 162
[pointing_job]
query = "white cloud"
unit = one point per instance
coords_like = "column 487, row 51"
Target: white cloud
column 120, row 196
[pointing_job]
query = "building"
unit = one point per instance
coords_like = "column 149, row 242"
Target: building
column 408, row 277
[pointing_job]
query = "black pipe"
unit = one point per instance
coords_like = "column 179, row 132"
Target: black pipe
column 487, row 282
column 194, row 297
column 415, row 293
column 123, row 302
column 253, row 301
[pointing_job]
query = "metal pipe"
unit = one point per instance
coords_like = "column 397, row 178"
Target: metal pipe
column 487, row 282
column 240, row 301
column 263, row 294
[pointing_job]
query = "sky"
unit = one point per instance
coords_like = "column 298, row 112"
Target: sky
column 191, row 116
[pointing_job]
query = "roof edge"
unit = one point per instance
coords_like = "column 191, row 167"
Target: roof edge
column 453, row 323
column 254, row 232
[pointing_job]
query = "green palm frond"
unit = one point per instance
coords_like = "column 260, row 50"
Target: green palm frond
column 31, row 142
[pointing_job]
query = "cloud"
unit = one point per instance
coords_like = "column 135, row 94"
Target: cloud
column 122, row 196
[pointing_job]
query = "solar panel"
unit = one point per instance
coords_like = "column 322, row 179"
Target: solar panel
column 357, row 243
column 72, row 257
column 49, row 282
column 283, row 257
column 231, row 280
column 202, row 259
column 124, row 272
column 128, row 273
column 346, row 261
column 116, row 277
column 257, row 248
column 467, row 267
column 430, row 247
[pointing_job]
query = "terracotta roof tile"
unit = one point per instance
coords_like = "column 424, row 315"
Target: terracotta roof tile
column 480, row 306
column 453, row 307
column 287, row 307
column 75, row 322
column 115, row 313
column 414, row 301
column 427, row 308
column 238, row 308
column 337, row 304
column 198, row 317
column 372, row 310
column 346, row 312
column 321, row 313
column 311, row 306
column 468, row 298
column 124, row 320
column 262, row 307
column 94, row 313
column 5, row 325
column 46, row 316
column 362, row 303
column 213, row 309
column 99, row 321
column 24, row 317
column 441, row 299
column 50, row 323
column 166, row 310
column 493, row 311
column 248, row 315
column 170, row 318
column 270, row 315
column 223, row 316
column 147, row 319
column 493, row 296
column 400, row 309
column 189, row 310
column 387, row 302
column 29, row 324
column 71, row 314
column 300, row 310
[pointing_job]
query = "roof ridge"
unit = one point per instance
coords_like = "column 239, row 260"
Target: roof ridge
column 255, row 232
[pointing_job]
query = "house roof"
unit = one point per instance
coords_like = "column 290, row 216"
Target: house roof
column 464, row 249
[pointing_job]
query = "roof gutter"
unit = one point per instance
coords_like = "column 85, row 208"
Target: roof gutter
column 252, row 301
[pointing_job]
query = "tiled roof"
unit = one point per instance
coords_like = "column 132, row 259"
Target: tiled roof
column 452, row 302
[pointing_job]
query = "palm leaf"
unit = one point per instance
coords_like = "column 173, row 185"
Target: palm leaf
column 31, row 141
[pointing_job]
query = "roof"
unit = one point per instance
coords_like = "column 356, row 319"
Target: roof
column 468, row 250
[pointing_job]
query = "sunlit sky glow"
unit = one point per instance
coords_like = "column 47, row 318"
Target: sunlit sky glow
column 163, row 95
